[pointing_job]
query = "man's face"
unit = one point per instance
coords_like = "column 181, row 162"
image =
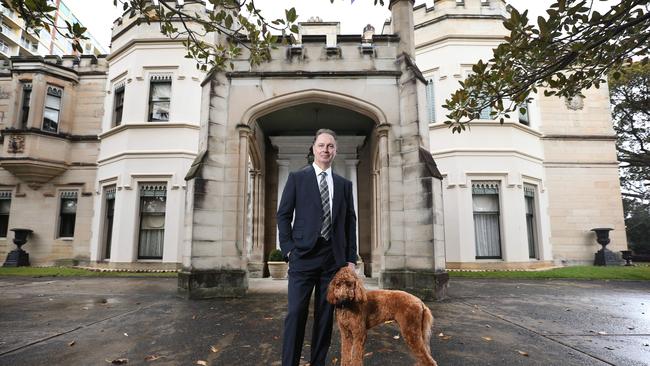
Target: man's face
column 324, row 150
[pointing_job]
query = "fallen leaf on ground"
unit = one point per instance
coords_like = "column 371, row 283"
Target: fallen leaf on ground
column 525, row 354
column 389, row 321
column 202, row 363
column 71, row 343
column 194, row 317
column 488, row 326
column 368, row 354
column 609, row 348
column 487, row 339
column 126, row 334
column 151, row 358
column 214, row 349
column 119, row 361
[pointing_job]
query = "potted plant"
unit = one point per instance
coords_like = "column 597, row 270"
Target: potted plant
column 277, row 266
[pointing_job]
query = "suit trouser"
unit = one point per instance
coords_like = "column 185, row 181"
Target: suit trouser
column 313, row 270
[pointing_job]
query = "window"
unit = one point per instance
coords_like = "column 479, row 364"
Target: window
column 431, row 102
column 4, row 47
column 485, row 201
column 160, row 92
column 5, row 205
column 109, row 197
column 485, row 112
column 24, row 113
column 52, row 109
column 153, row 198
column 67, row 214
column 119, row 105
column 529, row 197
column 524, row 118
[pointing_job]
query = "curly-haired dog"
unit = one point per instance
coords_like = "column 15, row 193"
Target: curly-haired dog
column 358, row 310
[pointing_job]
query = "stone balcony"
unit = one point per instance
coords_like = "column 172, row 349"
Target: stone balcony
column 34, row 156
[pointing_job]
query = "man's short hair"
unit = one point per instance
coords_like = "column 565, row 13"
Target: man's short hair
column 324, row 130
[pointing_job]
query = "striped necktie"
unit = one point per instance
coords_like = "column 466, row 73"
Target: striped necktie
column 325, row 200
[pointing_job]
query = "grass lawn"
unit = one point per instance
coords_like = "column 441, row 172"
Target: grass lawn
column 638, row 272
column 75, row 272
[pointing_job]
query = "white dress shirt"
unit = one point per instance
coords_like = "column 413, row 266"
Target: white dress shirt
column 330, row 182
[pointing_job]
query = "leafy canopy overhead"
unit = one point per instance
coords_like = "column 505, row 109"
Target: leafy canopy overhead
column 569, row 50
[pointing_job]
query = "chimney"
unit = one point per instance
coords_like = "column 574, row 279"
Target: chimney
column 402, row 22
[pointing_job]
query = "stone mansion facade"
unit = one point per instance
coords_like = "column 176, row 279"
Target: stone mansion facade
column 137, row 159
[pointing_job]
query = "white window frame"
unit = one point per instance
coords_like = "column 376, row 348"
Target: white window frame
column 499, row 186
column 53, row 90
column 161, row 78
column 61, row 195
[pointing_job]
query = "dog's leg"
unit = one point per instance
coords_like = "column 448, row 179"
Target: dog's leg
column 346, row 345
column 358, row 345
column 413, row 338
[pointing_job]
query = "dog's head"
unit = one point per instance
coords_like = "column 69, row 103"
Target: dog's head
column 345, row 287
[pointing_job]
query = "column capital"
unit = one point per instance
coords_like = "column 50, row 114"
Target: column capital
column 383, row 129
column 244, row 130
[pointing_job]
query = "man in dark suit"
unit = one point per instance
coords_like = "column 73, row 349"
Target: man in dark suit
column 321, row 240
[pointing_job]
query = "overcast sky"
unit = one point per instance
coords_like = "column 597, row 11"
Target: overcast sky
column 98, row 15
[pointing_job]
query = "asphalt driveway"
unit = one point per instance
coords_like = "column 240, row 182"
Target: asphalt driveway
column 95, row 321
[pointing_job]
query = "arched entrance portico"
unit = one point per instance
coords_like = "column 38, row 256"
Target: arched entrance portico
column 242, row 109
column 280, row 133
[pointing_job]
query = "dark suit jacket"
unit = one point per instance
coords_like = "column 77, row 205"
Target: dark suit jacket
column 301, row 193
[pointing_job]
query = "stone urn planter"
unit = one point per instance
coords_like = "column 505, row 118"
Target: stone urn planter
column 18, row 257
column 277, row 266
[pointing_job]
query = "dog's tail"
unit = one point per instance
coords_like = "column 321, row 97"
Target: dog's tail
column 427, row 324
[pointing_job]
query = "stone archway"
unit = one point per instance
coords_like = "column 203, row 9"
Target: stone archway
column 281, row 130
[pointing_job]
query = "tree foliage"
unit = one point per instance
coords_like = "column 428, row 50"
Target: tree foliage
column 39, row 14
column 240, row 22
column 637, row 225
column 630, row 99
column 572, row 49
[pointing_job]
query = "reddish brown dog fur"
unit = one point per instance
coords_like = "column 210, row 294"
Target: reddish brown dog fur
column 358, row 310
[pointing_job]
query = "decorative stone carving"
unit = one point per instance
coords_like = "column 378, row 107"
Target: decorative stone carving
column 16, row 144
column 575, row 103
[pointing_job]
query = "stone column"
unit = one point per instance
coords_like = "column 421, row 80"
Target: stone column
column 351, row 171
column 383, row 191
column 213, row 261
column 242, row 187
column 256, row 255
column 283, row 175
column 409, row 259
column 403, row 24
